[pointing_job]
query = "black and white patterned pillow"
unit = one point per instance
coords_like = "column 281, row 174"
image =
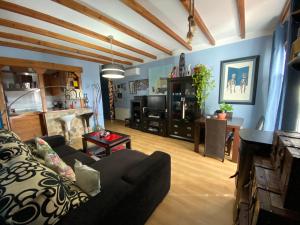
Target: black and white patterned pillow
column 11, row 146
column 31, row 193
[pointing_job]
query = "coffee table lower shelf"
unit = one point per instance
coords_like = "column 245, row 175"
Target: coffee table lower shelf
column 107, row 145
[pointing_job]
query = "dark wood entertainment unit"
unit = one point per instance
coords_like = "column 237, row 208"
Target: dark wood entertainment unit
column 147, row 119
column 172, row 115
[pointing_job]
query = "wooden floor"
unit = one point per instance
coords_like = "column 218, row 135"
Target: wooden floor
column 201, row 191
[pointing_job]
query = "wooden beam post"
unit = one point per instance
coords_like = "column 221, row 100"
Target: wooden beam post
column 88, row 11
column 241, row 13
column 40, row 31
column 62, row 23
column 3, row 107
column 101, row 58
column 49, row 51
column 40, row 72
column 285, row 11
column 157, row 22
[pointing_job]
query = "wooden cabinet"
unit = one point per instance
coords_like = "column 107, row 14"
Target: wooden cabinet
column 28, row 126
column 55, row 83
column 182, row 108
column 136, row 110
column 268, row 187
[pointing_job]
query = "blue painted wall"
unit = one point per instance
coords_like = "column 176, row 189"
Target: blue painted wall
column 90, row 73
column 212, row 58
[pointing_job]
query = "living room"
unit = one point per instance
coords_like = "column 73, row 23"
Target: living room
column 149, row 112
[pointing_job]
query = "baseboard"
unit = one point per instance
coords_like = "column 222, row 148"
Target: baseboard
column 122, row 113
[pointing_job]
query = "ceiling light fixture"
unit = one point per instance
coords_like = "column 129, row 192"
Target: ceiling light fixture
column 112, row 71
column 191, row 21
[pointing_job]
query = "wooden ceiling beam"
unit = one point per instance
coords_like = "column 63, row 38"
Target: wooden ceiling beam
column 49, row 51
column 7, row 61
column 285, row 11
column 200, row 23
column 113, row 23
column 62, row 23
column 59, row 47
column 40, row 31
column 138, row 8
column 241, row 13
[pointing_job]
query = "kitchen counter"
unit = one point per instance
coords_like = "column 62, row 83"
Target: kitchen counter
column 24, row 113
column 56, row 126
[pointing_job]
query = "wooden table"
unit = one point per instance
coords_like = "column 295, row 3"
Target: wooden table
column 233, row 124
column 93, row 137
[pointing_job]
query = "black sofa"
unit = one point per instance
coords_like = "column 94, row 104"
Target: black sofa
column 132, row 185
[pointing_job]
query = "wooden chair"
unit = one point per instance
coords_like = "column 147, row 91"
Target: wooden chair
column 215, row 138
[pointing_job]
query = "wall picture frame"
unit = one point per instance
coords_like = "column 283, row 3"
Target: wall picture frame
column 238, row 80
column 132, row 88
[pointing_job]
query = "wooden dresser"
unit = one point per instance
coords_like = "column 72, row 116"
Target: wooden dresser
column 268, row 187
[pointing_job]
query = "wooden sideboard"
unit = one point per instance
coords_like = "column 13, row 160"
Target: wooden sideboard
column 28, row 125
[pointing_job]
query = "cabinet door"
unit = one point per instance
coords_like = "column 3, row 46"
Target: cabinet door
column 175, row 98
column 190, row 103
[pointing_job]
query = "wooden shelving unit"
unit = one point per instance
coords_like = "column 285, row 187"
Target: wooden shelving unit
column 296, row 15
column 295, row 63
column 292, row 70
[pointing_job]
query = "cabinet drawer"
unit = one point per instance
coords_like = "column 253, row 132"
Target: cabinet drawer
column 175, row 126
column 187, row 134
column 175, row 132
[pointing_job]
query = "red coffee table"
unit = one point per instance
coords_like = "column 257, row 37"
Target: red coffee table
column 108, row 142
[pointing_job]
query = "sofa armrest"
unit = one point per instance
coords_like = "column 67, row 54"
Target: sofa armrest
column 151, row 164
column 55, row 140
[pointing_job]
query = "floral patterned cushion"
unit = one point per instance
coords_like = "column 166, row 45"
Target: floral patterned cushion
column 52, row 159
column 42, row 147
column 54, row 162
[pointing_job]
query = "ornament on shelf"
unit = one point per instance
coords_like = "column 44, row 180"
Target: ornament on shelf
column 182, row 65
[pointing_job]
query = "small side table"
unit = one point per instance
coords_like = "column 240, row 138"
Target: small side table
column 109, row 142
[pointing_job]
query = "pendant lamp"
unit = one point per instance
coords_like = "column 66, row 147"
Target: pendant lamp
column 112, row 71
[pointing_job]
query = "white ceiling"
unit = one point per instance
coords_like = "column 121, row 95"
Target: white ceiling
column 220, row 16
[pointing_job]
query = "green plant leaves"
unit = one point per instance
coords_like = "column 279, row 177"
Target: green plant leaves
column 203, row 82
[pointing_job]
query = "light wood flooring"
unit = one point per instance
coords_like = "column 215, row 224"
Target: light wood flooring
column 201, row 191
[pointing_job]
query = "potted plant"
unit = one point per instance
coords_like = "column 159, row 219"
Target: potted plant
column 203, row 83
column 225, row 111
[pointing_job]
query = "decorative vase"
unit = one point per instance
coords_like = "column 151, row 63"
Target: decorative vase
column 222, row 116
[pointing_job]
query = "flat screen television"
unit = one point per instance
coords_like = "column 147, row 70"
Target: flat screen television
column 157, row 102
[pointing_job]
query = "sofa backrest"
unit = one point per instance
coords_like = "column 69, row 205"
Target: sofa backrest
column 30, row 192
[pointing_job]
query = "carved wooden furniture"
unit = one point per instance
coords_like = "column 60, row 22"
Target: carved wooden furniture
column 233, row 124
column 268, row 178
column 182, row 108
column 215, row 138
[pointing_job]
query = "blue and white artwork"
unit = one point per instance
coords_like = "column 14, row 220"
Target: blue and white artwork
column 238, row 80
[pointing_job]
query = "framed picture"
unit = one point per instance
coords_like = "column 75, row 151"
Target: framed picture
column 132, row 89
column 238, row 80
